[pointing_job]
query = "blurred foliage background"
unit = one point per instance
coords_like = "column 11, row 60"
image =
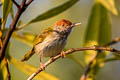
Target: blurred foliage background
column 100, row 24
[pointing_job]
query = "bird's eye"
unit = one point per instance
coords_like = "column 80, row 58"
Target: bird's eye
column 62, row 24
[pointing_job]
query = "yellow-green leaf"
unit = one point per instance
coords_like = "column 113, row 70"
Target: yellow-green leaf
column 109, row 5
column 7, row 4
column 12, row 13
column 98, row 33
column 24, row 37
column 3, row 70
column 55, row 11
column 99, row 28
column 52, row 12
column 117, row 4
column 29, row 69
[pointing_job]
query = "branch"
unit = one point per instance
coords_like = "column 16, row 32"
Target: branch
column 29, row 2
column 83, row 77
column 16, row 4
column 12, row 28
column 116, row 40
column 9, row 75
column 51, row 60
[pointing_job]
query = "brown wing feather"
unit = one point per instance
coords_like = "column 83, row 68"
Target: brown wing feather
column 41, row 37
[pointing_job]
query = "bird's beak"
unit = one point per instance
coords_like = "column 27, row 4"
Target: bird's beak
column 75, row 24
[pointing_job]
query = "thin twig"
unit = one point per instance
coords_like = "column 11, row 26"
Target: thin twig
column 83, row 77
column 111, row 59
column 9, row 76
column 116, row 40
column 7, row 67
column 16, row 4
column 51, row 60
column 12, row 28
column 29, row 2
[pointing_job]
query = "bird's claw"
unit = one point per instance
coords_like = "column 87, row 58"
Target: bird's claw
column 63, row 55
column 42, row 66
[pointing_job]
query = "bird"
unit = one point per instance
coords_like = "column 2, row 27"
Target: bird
column 51, row 41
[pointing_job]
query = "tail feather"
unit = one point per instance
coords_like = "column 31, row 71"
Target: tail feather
column 28, row 55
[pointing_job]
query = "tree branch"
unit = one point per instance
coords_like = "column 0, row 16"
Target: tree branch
column 9, row 75
column 84, row 76
column 12, row 28
column 16, row 4
column 51, row 60
column 29, row 2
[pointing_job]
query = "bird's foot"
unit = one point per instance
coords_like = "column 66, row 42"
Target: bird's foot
column 63, row 55
column 42, row 66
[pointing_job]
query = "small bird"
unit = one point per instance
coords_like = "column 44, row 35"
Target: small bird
column 51, row 41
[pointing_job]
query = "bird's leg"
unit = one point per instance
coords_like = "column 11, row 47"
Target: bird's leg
column 63, row 54
column 42, row 66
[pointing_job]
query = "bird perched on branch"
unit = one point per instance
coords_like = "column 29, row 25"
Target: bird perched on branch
column 51, row 41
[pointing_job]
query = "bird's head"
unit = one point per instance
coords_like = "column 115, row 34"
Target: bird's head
column 64, row 26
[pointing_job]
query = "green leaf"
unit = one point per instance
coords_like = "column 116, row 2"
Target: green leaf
column 117, row 4
column 98, row 33
column 109, row 5
column 3, row 70
column 19, row 23
column 12, row 13
column 99, row 27
column 111, row 59
column 55, row 11
column 52, row 12
column 26, row 38
column 7, row 55
column 117, row 56
column 29, row 69
column 3, row 65
column 7, row 4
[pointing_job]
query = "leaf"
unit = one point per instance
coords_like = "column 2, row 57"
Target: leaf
column 19, row 23
column 12, row 13
column 51, row 13
column 54, row 11
column 3, row 70
column 7, row 4
column 117, row 4
column 111, row 59
column 26, row 38
column 99, row 27
column 98, row 33
column 117, row 56
column 29, row 69
column 3, row 65
column 109, row 5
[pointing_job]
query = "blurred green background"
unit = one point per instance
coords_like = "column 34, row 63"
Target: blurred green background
column 67, row 68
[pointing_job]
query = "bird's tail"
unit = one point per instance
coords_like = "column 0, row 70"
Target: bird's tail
column 28, row 55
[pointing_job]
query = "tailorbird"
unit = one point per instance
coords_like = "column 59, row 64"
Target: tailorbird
column 52, row 40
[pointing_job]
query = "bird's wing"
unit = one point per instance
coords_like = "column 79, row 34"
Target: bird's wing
column 43, row 35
